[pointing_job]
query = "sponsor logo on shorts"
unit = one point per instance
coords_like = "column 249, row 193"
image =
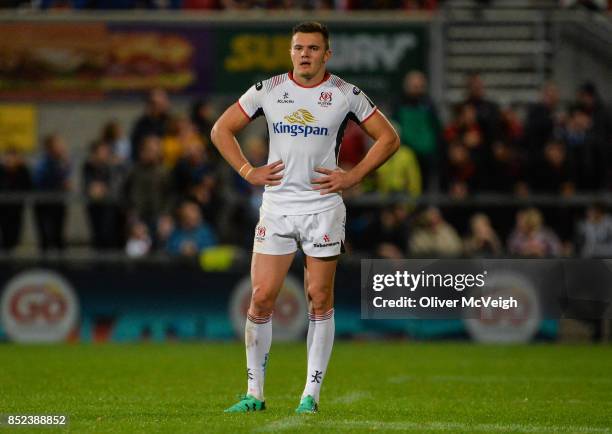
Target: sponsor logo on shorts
column 326, row 242
column 260, row 233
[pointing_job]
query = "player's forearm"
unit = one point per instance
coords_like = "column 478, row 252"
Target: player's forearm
column 380, row 152
column 225, row 141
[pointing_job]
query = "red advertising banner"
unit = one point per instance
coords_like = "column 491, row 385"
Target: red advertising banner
column 89, row 59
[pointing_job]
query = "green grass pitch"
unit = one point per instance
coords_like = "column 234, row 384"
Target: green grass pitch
column 370, row 387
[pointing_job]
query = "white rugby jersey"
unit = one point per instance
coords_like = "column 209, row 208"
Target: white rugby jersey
column 305, row 125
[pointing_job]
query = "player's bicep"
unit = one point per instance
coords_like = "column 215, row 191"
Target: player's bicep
column 377, row 126
column 234, row 119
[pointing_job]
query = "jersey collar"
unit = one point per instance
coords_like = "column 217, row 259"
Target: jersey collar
column 325, row 78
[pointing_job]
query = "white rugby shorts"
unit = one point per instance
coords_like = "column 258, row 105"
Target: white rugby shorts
column 318, row 235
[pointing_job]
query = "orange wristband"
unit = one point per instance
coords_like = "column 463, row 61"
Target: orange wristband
column 240, row 171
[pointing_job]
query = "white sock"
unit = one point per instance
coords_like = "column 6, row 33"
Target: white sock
column 320, row 341
column 257, row 339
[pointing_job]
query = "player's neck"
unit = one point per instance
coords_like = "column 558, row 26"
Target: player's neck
column 310, row 82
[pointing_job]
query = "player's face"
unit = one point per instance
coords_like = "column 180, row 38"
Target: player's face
column 308, row 54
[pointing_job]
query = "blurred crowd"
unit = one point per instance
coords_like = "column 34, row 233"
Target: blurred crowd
column 408, row 5
column 164, row 188
column 546, row 148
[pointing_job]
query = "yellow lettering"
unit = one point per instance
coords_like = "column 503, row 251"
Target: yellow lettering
column 258, row 53
column 240, row 57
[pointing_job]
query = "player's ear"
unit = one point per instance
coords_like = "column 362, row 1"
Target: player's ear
column 327, row 55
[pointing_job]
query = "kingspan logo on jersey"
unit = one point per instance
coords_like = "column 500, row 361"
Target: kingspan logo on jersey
column 298, row 124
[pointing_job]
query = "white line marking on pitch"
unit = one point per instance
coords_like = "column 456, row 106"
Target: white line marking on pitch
column 399, row 379
column 290, row 423
column 456, row 426
column 351, row 398
column 286, row 423
column 492, row 379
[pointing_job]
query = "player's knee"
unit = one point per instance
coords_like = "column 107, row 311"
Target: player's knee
column 262, row 301
column 321, row 299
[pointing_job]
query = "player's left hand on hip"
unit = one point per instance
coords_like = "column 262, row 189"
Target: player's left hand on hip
column 334, row 181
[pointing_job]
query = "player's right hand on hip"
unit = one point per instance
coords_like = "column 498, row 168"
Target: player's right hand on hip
column 266, row 175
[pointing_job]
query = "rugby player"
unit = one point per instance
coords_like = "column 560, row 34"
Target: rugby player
column 306, row 111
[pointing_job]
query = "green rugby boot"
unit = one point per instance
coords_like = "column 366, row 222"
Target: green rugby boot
column 307, row 405
column 246, row 404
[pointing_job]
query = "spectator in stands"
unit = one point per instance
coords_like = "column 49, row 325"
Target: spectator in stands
column 195, row 178
column 465, row 129
column 206, row 194
column 353, row 147
column 154, row 120
column 487, row 112
column 201, row 4
column 511, row 126
column 180, row 136
column 460, row 176
column 586, row 150
column 594, row 233
column 165, row 227
column 428, row 5
column 203, row 116
column 531, row 238
column 256, row 150
column 147, row 187
column 400, row 174
column 466, row 153
column 236, row 4
column 590, row 101
column 15, row 178
column 102, row 181
column 191, row 167
column 434, row 236
column 192, row 235
column 244, row 212
column 388, row 235
column 553, row 173
column 112, row 133
column 52, row 175
column 139, row 241
column 419, row 124
column 541, row 120
column 599, row 134
column 504, row 172
column 482, row 240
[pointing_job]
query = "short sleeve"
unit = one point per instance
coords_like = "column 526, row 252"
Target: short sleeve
column 251, row 101
column 360, row 105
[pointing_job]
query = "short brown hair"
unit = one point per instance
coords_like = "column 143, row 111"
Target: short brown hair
column 313, row 27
